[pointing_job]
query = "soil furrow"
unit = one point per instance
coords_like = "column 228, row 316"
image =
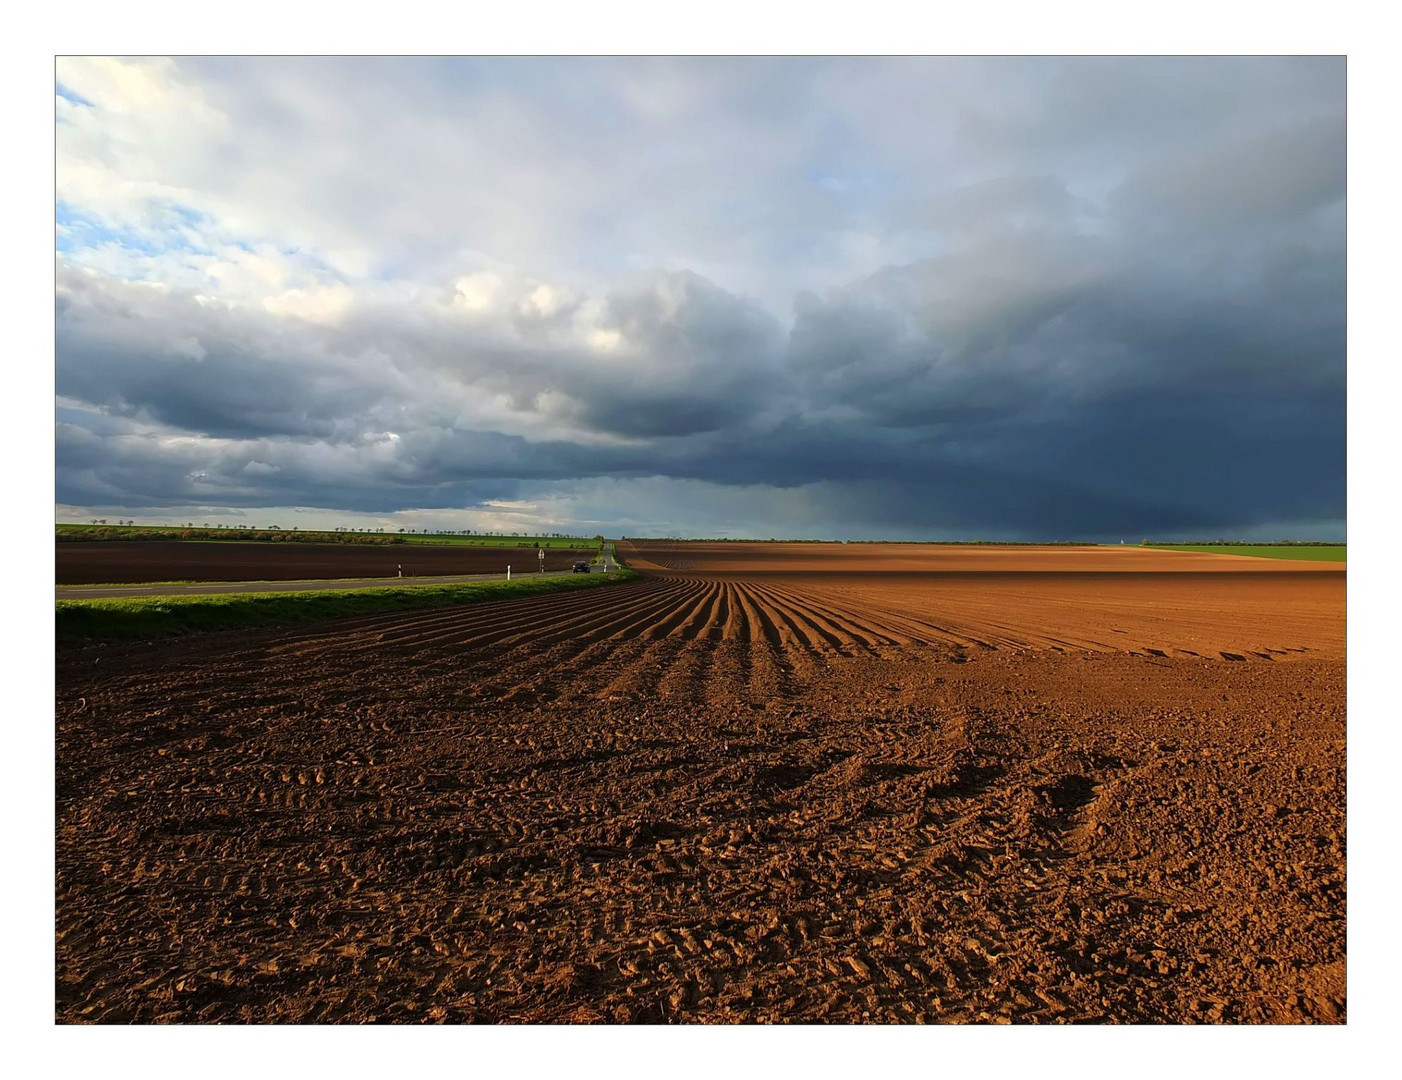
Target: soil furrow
column 807, row 623
column 843, row 622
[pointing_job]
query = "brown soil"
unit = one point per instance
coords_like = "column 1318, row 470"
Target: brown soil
column 116, row 561
column 735, row 557
column 718, row 795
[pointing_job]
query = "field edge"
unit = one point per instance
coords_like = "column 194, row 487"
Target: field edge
column 121, row 618
column 1303, row 552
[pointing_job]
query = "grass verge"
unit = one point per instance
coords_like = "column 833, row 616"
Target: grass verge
column 161, row 616
column 1311, row 552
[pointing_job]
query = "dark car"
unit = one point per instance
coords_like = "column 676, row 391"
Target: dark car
column 581, row 568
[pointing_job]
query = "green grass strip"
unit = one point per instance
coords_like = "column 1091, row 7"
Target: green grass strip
column 161, row 616
column 1311, row 552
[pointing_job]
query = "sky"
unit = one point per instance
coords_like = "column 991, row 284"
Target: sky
column 1030, row 298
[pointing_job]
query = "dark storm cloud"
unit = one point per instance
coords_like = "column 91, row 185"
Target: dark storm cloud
column 1094, row 298
column 713, row 362
column 137, row 351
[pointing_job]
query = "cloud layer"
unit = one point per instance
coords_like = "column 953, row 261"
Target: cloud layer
column 1035, row 298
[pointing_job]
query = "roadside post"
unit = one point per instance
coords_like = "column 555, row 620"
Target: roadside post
column 542, row 560
column 401, row 569
column 508, row 571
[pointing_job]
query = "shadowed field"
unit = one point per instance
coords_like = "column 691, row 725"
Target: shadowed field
column 113, row 561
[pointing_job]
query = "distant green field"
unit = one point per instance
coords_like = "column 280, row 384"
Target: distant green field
column 160, row 616
column 1311, row 552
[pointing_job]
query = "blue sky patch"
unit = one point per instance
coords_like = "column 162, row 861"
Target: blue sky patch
column 72, row 95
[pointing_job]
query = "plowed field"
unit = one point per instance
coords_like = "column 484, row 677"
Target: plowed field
column 136, row 561
column 745, row 788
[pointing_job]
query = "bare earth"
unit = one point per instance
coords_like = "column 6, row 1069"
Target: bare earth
column 767, row 783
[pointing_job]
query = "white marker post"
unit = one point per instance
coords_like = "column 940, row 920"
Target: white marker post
column 401, row 569
column 508, row 571
column 542, row 560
